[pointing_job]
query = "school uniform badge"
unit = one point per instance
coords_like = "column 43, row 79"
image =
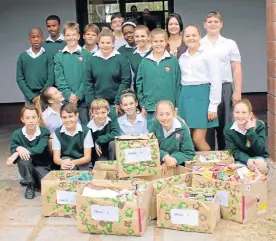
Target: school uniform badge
column 167, row 68
column 59, row 50
column 177, row 135
column 248, row 144
column 80, row 58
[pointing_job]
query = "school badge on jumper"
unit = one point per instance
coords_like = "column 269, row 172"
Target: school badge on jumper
column 59, row 50
column 80, row 58
column 177, row 135
column 248, row 144
column 167, row 68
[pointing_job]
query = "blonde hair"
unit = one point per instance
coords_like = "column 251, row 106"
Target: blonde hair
column 213, row 14
column 127, row 93
column 106, row 33
column 248, row 105
column 99, row 103
column 71, row 26
column 92, row 27
column 142, row 27
column 158, row 31
column 194, row 26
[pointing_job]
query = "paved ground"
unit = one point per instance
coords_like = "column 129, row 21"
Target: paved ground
column 21, row 219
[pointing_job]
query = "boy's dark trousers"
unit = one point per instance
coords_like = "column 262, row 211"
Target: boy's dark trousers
column 108, row 152
column 224, row 118
column 32, row 174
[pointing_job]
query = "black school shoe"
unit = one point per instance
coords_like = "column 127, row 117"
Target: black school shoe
column 30, row 191
column 23, row 182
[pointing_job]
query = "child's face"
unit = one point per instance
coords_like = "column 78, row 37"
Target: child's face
column 191, row 37
column 165, row 115
column 241, row 114
column 99, row 115
column 116, row 24
column 173, row 26
column 129, row 105
column 69, row 120
column 141, row 38
column 71, row 37
column 106, row 44
column 128, row 32
column 30, row 119
column 36, row 39
column 56, row 95
column 53, row 27
column 213, row 25
column 158, row 43
column 90, row 37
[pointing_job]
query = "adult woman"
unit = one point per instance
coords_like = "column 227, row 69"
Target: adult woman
column 174, row 26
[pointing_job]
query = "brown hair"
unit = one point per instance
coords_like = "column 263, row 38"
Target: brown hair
column 142, row 27
column 69, row 108
column 213, row 14
column 99, row 103
column 158, row 31
column 29, row 107
column 192, row 25
column 126, row 93
column 106, row 33
column 92, row 27
column 245, row 102
column 71, row 26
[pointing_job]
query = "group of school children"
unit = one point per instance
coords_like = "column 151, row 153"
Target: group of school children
column 130, row 81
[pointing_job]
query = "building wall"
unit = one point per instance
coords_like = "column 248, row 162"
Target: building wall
column 16, row 18
column 245, row 22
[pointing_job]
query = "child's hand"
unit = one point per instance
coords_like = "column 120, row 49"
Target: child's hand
column 170, row 161
column 251, row 164
column 251, row 123
column 118, row 109
column 23, row 153
column 144, row 113
column 73, row 99
column 212, row 116
column 73, row 164
column 66, row 164
column 164, row 169
column 34, row 100
column 10, row 161
column 98, row 150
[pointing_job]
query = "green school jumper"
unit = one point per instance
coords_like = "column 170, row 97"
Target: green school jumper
column 72, row 146
column 126, row 52
column 155, row 82
column 54, row 47
column 178, row 145
column 37, row 147
column 33, row 75
column 69, row 72
column 250, row 145
column 106, row 78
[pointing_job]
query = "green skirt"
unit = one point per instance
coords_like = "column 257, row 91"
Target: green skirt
column 193, row 106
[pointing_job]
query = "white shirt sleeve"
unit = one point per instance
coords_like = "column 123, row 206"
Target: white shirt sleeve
column 234, row 51
column 55, row 143
column 88, row 141
column 215, row 80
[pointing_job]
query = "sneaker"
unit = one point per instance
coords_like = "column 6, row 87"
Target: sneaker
column 23, row 182
column 30, row 191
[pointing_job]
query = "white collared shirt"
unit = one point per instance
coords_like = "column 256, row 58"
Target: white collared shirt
column 237, row 129
column 87, row 143
column 176, row 124
column 52, row 119
column 92, row 125
column 34, row 55
column 202, row 68
column 165, row 55
column 100, row 55
column 78, row 49
column 31, row 138
column 142, row 54
column 60, row 37
column 138, row 127
column 94, row 50
column 227, row 52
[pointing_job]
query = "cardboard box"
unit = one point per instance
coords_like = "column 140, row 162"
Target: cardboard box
column 186, row 214
column 58, row 194
column 239, row 202
column 120, row 216
column 137, row 155
column 209, row 158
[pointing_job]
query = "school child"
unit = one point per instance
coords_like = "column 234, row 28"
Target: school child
column 107, row 73
column 116, row 26
column 90, row 36
column 131, row 122
column 201, row 87
column 231, row 72
column 104, row 127
column 72, row 142
column 29, row 150
column 245, row 137
column 173, row 136
column 34, row 71
column 69, row 68
column 55, row 42
column 158, row 76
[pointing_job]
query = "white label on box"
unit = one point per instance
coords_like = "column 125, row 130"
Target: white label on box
column 137, row 154
column 65, row 197
column 247, row 187
column 105, row 213
column 223, row 199
column 184, row 216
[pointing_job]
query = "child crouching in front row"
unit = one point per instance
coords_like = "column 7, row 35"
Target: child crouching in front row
column 72, row 142
column 29, row 149
column 173, row 136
